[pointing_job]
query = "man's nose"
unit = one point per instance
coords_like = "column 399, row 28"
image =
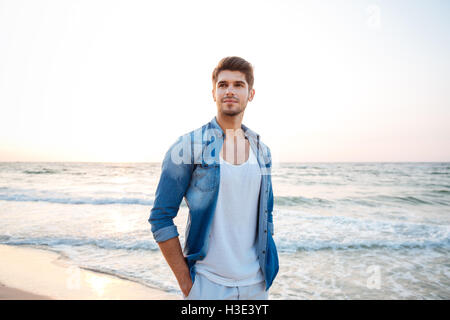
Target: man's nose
column 230, row 90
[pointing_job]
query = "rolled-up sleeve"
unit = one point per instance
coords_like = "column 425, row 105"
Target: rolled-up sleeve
column 172, row 186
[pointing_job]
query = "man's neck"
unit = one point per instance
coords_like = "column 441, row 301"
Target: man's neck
column 229, row 122
column 236, row 148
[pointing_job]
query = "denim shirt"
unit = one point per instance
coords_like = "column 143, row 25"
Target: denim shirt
column 191, row 170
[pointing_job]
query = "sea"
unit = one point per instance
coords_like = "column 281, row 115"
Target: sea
column 343, row 230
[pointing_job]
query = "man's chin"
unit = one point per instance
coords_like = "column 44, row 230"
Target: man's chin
column 231, row 113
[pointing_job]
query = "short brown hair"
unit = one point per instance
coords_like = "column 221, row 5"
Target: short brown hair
column 234, row 63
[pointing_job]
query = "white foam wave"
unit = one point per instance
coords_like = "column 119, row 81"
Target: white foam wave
column 284, row 245
column 109, row 244
column 298, row 231
column 79, row 200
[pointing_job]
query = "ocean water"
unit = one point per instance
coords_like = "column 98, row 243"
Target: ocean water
column 343, row 230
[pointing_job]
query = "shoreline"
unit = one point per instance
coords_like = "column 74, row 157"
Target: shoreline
column 28, row 273
column 8, row 293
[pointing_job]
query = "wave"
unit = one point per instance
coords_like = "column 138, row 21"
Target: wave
column 282, row 201
column 109, row 244
column 300, row 231
column 282, row 245
column 319, row 245
column 410, row 199
column 369, row 201
column 53, row 171
column 76, row 200
column 441, row 191
column 41, row 171
column 298, row 201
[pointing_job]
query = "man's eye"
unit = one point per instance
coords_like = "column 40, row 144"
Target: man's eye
column 223, row 85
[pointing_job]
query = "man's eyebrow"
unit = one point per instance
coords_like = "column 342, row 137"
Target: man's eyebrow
column 237, row 81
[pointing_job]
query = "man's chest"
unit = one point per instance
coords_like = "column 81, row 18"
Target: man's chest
column 235, row 150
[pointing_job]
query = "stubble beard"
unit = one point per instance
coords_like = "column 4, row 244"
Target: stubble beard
column 231, row 112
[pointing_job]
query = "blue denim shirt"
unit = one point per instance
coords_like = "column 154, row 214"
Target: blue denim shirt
column 191, row 169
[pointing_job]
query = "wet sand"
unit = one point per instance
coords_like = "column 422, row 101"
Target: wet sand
column 35, row 274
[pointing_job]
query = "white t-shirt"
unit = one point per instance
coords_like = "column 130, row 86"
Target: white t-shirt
column 232, row 259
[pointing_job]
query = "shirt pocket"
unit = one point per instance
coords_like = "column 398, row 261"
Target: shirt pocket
column 205, row 177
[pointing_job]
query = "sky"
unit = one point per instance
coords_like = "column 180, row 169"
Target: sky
column 120, row 81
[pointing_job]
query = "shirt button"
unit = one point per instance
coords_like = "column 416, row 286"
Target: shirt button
column 264, row 251
column 265, row 231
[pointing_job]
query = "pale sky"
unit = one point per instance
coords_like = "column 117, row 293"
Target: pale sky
column 121, row 80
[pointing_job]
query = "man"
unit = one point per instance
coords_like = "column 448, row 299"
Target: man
column 223, row 171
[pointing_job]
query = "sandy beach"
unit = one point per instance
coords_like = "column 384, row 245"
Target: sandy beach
column 7, row 293
column 34, row 274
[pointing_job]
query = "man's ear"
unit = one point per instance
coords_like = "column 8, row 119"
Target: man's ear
column 214, row 94
column 251, row 95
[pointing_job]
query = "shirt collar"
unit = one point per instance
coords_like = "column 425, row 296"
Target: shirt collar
column 247, row 132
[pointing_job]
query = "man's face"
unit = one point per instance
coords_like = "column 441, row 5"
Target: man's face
column 231, row 93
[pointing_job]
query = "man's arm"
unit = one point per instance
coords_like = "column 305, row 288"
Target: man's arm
column 173, row 183
column 171, row 250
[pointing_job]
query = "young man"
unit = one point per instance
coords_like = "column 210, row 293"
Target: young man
column 223, row 171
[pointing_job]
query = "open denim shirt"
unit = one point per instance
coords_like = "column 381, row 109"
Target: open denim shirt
column 191, row 169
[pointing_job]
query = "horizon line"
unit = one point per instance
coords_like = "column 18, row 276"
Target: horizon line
column 281, row 162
